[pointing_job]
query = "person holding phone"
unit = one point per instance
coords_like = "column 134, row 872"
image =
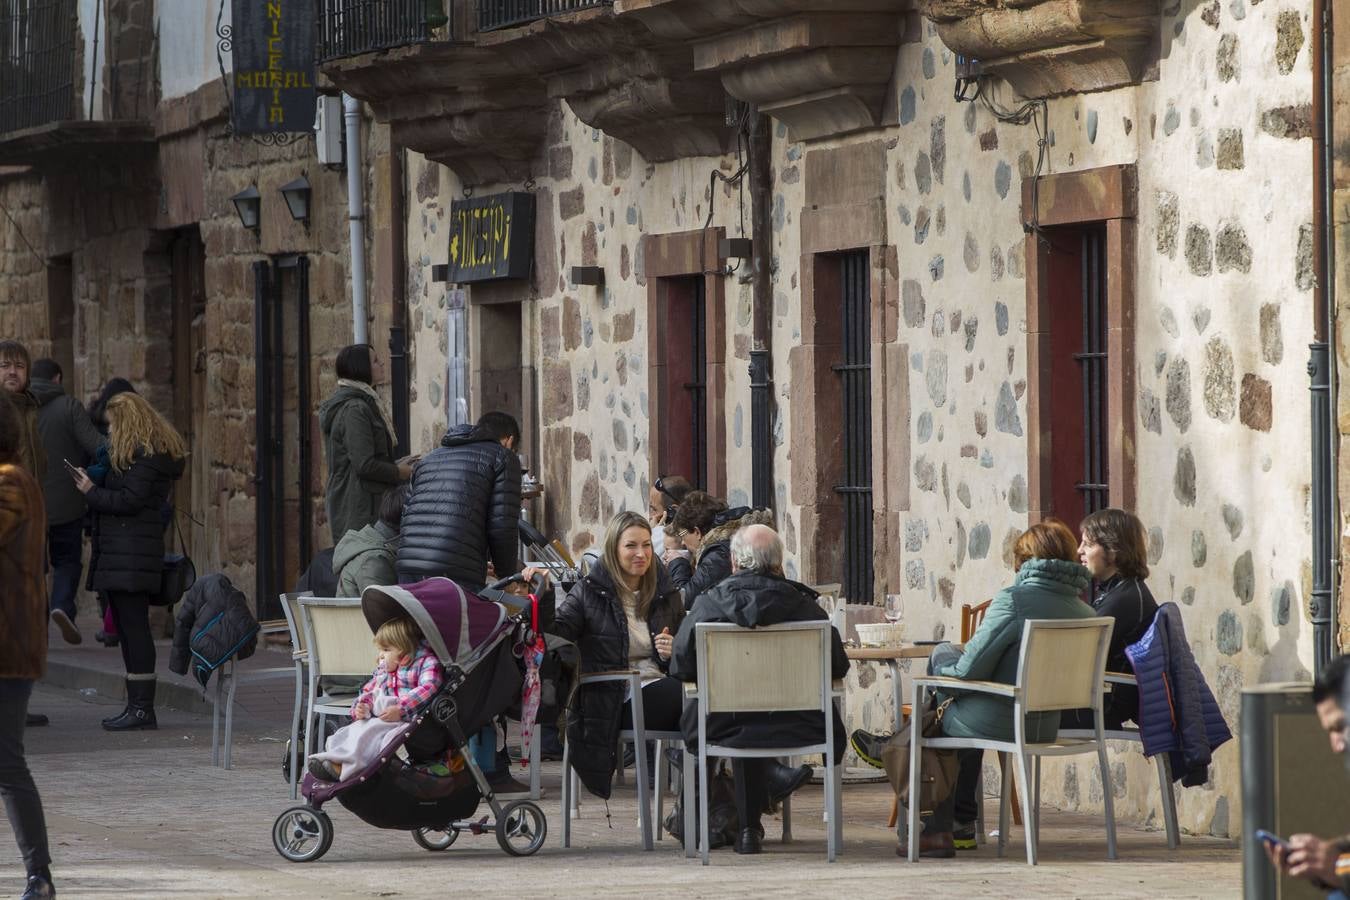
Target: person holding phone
column 1325, row 863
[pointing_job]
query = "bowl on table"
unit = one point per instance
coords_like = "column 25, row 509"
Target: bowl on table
column 880, row 634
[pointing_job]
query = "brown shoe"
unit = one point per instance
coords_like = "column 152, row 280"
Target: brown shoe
column 931, row 846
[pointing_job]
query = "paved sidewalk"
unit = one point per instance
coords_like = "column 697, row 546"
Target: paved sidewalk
column 145, row 815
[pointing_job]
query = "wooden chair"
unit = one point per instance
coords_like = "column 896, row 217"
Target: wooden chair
column 971, row 617
column 771, row 669
column 1062, row 665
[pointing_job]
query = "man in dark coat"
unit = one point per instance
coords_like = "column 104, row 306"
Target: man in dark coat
column 463, row 510
column 67, row 435
column 462, row 513
column 756, row 594
column 14, row 377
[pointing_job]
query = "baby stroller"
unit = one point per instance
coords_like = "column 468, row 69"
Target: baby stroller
column 475, row 639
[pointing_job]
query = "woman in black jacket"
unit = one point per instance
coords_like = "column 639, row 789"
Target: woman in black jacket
column 1114, row 549
column 622, row 615
column 145, row 456
column 705, row 526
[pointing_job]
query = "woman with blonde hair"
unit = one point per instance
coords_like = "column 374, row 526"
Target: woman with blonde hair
column 145, row 456
column 622, row 615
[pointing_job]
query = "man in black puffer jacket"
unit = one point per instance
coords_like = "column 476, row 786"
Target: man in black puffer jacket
column 463, row 510
column 214, row 623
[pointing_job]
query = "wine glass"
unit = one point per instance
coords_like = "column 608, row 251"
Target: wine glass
column 893, row 607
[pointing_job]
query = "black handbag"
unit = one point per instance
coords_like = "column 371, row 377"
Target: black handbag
column 179, row 573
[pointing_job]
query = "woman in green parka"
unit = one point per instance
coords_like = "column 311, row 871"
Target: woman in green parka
column 358, row 441
column 1049, row 585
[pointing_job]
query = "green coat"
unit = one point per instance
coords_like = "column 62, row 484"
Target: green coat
column 360, row 453
column 365, row 557
column 1043, row 589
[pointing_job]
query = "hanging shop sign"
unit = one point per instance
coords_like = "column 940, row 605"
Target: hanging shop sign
column 491, row 238
column 273, row 53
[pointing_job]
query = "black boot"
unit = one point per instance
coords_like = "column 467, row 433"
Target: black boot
column 140, row 711
column 39, row 886
column 750, row 840
column 780, row 780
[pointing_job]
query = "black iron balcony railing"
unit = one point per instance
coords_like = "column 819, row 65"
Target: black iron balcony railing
column 37, row 63
column 351, row 27
column 505, row 13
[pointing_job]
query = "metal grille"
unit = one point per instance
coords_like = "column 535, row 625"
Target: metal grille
column 697, row 386
column 855, row 375
column 37, row 62
column 351, row 27
column 505, row 13
column 1094, row 487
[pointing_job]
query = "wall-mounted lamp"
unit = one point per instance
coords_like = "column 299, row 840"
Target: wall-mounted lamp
column 296, row 194
column 735, row 248
column 248, row 204
column 593, row 275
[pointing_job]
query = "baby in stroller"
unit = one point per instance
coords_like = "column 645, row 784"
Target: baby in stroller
column 407, row 675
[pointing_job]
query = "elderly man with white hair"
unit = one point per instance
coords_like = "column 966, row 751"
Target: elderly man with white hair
column 757, row 594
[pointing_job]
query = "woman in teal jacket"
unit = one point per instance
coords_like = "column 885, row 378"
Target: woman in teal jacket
column 1049, row 585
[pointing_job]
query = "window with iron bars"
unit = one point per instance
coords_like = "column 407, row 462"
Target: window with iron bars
column 855, row 376
column 37, row 62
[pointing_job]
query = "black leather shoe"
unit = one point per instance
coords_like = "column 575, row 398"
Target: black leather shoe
column 750, row 840
column 33, row 720
column 107, row 640
column 39, row 888
column 780, row 780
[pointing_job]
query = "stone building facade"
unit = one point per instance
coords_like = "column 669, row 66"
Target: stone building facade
column 123, row 255
column 951, row 249
column 1176, row 146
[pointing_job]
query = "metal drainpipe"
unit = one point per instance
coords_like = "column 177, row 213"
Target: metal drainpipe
column 761, row 353
column 356, row 217
column 1321, row 364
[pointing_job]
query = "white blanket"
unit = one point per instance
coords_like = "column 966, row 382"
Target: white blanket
column 358, row 744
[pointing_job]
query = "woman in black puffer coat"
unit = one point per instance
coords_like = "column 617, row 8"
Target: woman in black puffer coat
column 145, row 456
column 622, row 615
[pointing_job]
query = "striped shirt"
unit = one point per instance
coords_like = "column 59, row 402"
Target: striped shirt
column 414, row 683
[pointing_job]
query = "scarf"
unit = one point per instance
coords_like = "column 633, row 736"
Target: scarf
column 363, row 388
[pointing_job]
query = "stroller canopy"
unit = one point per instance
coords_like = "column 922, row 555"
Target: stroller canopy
column 460, row 627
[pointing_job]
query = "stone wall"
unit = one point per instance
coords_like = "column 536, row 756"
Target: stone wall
column 1221, row 286
column 23, row 289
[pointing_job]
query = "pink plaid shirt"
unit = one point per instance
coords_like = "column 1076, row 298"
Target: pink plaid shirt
column 413, row 684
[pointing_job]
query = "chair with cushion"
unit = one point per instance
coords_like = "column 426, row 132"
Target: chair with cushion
column 778, row 668
column 1061, row 666
column 290, row 608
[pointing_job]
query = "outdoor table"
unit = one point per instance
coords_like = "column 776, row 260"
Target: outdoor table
column 891, row 656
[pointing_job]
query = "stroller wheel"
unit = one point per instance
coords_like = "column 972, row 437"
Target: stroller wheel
column 302, row 834
column 521, row 828
column 435, row 838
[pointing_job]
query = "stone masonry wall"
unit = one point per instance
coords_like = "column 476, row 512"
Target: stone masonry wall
column 23, row 289
column 1223, row 305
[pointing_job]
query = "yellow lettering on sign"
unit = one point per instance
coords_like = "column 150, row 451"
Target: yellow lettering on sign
column 274, row 46
column 274, row 10
column 276, row 115
column 274, row 62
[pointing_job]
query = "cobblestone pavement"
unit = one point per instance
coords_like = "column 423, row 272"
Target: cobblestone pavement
column 145, row 815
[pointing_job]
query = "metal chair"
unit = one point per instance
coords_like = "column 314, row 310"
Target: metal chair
column 290, row 608
column 1166, row 785
column 778, row 668
column 1061, row 666
column 338, row 641
column 639, row 736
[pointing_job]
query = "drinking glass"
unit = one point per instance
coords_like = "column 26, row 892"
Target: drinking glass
column 893, row 607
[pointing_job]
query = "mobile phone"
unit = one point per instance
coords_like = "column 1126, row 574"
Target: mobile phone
column 1274, row 840
column 70, row 466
